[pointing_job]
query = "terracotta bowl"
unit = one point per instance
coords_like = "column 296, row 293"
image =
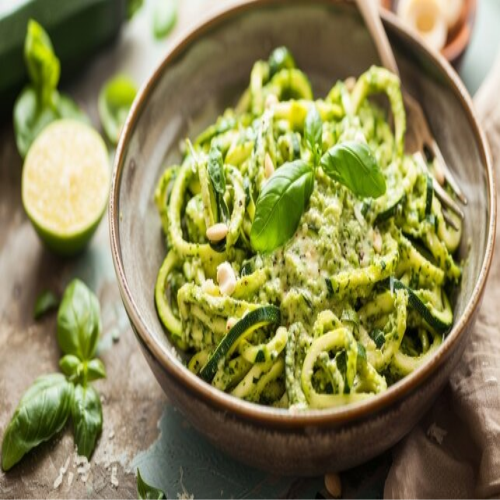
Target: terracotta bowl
column 204, row 72
column 459, row 35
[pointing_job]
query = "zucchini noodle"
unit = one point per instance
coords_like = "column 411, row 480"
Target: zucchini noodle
column 358, row 297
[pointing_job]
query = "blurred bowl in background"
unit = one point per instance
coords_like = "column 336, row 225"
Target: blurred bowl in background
column 459, row 33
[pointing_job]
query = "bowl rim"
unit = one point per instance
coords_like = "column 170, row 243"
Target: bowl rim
column 218, row 399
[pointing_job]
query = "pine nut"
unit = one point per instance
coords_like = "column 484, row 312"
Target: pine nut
column 217, row 232
column 226, row 278
column 268, row 166
column 333, row 484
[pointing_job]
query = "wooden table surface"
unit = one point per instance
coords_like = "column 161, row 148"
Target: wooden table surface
column 140, row 429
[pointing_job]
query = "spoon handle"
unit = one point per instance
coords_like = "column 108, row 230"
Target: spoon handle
column 370, row 13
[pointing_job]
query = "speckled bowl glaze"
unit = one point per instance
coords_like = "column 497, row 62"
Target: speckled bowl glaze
column 204, row 72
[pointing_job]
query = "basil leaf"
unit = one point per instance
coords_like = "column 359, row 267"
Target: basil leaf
column 44, row 303
column 39, row 103
column 352, row 164
column 42, row 64
column 115, row 100
column 146, row 491
column 313, row 132
column 164, row 17
column 280, row 205
column 280, row 58
column 87, row 419
column 71, row 365
column 95, row 370
column 217, row 177
column 78, row 321
column 41, row 413
column 30, row 118
column 216, row 170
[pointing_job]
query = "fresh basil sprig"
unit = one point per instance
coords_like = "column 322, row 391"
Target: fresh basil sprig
column 40, row 103
column 280, row 205
column 115, row 100
column 46, row 406
column 44, row 303
column 313, row 133
column 352, row 164
column 285, row 195
column 146, row 491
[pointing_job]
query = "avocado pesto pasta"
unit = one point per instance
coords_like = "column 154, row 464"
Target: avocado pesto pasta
column 308, row 261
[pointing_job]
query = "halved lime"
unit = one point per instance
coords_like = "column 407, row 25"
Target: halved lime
column 65, row 184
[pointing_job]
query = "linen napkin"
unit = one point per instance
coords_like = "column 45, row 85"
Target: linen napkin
column 454, row 452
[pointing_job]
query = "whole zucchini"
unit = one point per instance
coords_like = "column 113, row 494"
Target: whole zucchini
column 77, row 28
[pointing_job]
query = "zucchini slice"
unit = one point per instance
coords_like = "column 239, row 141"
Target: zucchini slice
column 167, row 316
column 441, row 321
column 255, row 319
column 392, row 211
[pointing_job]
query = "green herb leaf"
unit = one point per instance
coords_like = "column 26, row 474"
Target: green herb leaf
column 216, row 170
column 313, row 132
column 44, row 303
column 115, row 100
column 87, row 419
column 39, row 103
column 95, row 370
column 218, row 181
column 280, row 58
column 377, row 335
column 280, row 205
column 164, row 18
column 353, row 165
column 146, row 491
column 42, row 64
column 78, row 321
column 71, row 366
column 41, row 413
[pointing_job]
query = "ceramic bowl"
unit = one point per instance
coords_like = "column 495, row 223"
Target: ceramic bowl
column 202, row 74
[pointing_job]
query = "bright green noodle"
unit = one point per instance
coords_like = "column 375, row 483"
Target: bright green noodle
column 362, row 285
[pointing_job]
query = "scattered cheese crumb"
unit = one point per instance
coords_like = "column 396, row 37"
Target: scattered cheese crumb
column 114, row 479
column 184, row 495
column 436, row 433
column 58, row 481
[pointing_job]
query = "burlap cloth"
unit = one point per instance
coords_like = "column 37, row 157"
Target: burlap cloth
column 455, row 450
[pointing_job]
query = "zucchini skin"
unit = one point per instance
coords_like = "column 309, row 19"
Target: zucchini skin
column 77, row 28
column 439, row 324
column 255, row 319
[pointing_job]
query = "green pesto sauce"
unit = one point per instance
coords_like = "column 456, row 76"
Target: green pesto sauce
column 344, row 336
